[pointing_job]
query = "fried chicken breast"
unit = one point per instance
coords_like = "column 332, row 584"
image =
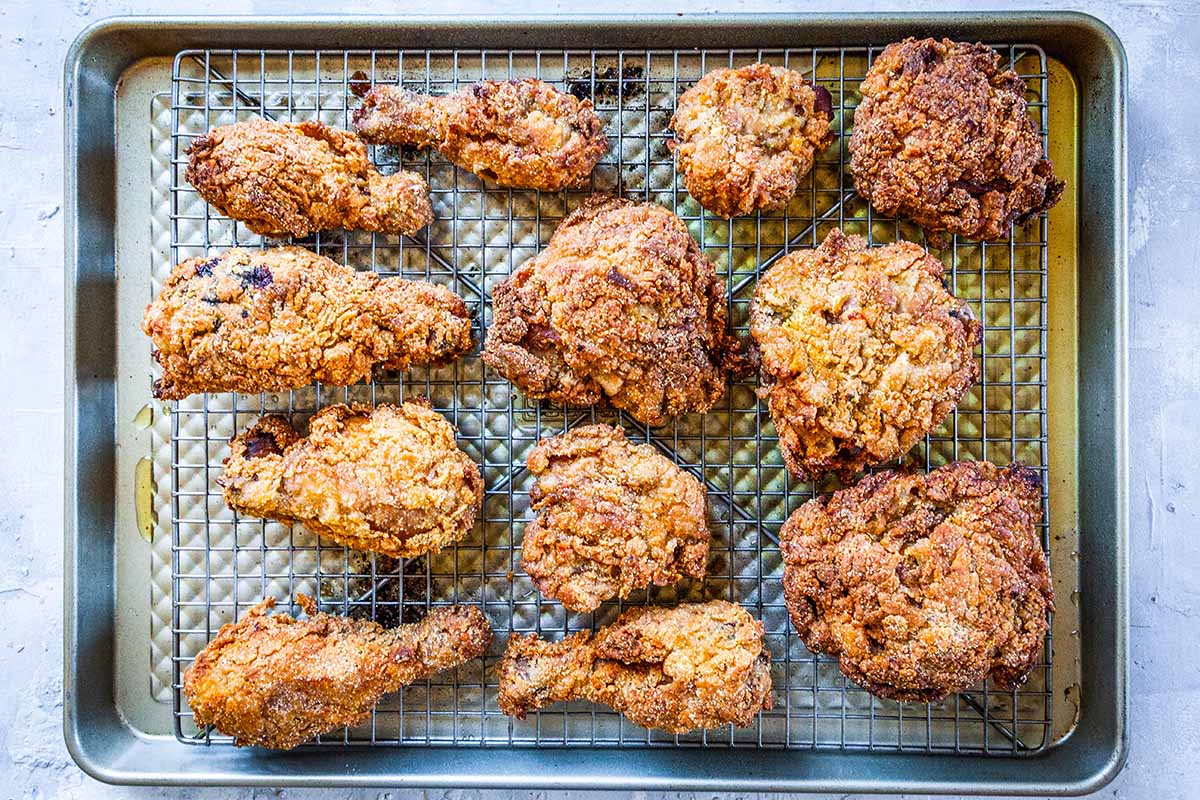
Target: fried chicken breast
column 387, row 480
column 251, row 321
column 296, row 179
column 274, row 681
column 745, row 137
column 621, row 305
column 701, row 665
column 923, row 585
column 863, row 352
column 612, row 517
column 942, row 136
column 520, row 133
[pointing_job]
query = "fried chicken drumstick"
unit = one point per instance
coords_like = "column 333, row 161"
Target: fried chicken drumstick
column 274, row 681
column 387, row 480
column 680, row 669
column 520, row 133
column 250, row 321
column 299, row 178
column 612, row 517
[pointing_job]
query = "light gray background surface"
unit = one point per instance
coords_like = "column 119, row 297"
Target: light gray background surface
column 1162, row 38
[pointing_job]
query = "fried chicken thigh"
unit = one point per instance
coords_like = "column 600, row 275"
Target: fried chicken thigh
column 387, row 480
column 923, row 585
column 622, row 305
column 943, row 137
column 520, row 133
column 274, row 681
column 863, row 352
column 611, row 517
column 745, row 137
column 251, row 321
column 677, row 669
column 299, row 178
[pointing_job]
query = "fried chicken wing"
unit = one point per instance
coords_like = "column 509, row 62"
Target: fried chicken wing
column 677, row 669
column 745, row 137
column 520, row 133
column 863, row 352
column 942, row 136
column 274, row 681
column 251, row 321
column 923, row 585
column 299, row 178
column 621, row 304
column 387, row 480
column 611, row 517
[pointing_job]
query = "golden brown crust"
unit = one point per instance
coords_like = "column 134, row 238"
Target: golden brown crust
column 621, row 304
column 694, row 666
column 273, row 681
column 612, row 517
column 923, row 585
column 745, row 137
column 942, row 136
column 863, row 352
column 520, row 133
column 299, row 178
column 387, row 480
column 251, row 321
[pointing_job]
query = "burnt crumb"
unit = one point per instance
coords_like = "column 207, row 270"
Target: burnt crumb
column 921, row 57
column 980, row 189
column 205, row 269
column 245, row 313
column 617, row 278
column 261, row 444
column 823, row 103
column 259, row 277
column 627, row 82
column 359, row 83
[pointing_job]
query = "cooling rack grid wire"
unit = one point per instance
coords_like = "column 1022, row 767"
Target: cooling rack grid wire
column 221, row 563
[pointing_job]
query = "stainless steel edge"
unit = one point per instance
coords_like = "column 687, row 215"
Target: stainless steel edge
column 110, row 751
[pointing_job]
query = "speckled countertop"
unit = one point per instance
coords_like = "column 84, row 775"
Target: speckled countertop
column 1162, row 38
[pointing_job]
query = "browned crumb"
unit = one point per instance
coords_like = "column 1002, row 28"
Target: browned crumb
column 942, row 136
column 520, row 133
column 923, row 585
column 283, row 178
column 863, row 352
column 621, row 304
column 612, row 517
column 695, row 666
column 273, row 681
column 745, row 137
column 251, row 321
column 387, row 480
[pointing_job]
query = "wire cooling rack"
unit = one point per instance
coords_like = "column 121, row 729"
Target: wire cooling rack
column 222, row 563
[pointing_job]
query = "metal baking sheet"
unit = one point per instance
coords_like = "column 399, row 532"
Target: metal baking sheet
column 208, row 566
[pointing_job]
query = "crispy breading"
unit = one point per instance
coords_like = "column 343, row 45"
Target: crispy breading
column 745, row 137
column 273, row 681
column 863, row 352
column 943, row 136
column 520, row 133
column 612, row 517
column 251, row 321
column 621, row 304
column 700, row 665
column 299, row 178
column 923, row 585
column 387, row 480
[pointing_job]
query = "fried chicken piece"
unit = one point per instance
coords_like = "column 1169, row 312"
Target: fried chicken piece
column 700, row 665
column 923, row 585
column 284, row 178
column 745, row 137
column 863, row 352
column 612, row 517
column 520, row 133
column 621, row 304
column 942, row 136
column 386, row 480
column 251, row 321
column 274, row 681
